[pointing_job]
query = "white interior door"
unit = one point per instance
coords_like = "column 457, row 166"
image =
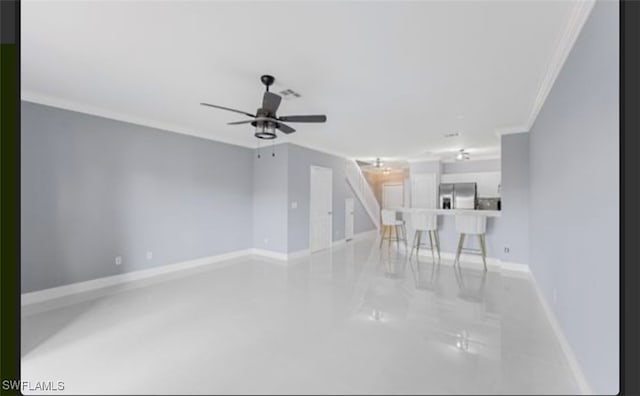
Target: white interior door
column 321, row 208
column 349, row 218
column 423, row 191
column 392, row 196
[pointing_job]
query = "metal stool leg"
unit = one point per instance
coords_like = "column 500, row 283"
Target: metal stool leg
column 404, row 232
column 382, row 232
column 460, row 243
column 431, row 244
column 484, row 250
column 413, row 244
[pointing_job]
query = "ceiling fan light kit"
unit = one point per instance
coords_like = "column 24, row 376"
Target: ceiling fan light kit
column 462, row 155
column 265, row 120
column 265, row 130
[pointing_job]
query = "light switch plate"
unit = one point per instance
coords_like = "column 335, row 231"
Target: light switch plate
column 294, row 205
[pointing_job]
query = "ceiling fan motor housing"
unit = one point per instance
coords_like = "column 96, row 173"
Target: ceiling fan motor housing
column 267, row 80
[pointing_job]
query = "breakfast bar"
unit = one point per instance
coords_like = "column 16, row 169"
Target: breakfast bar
column 449, row 236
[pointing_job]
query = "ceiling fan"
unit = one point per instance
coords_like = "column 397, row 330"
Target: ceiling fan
column 463, row 155
column 381, row 167
column 265, row 120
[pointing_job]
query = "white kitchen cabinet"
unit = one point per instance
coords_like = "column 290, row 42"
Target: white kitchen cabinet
column 488, row 182
column 424, row 190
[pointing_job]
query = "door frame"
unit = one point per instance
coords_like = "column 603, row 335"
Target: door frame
column 393, row 184
column 352, row 214
column 311, row 179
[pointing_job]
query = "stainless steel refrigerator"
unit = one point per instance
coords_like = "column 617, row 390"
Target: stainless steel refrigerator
column 464, row 195
column 458, row 195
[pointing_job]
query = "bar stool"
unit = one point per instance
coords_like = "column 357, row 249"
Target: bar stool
column 423, row 221
column 467, row 224
column 389, row 223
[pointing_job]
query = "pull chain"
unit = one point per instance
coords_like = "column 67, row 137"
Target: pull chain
column 258, row 148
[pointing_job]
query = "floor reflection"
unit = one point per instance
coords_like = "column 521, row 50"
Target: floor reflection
column 353, row 320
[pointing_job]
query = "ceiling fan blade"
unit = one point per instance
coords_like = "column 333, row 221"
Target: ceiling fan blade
column 271, row 102
column 285, row 128
column 240, row 122
column 228, row 109
column 304, row 118
column 254, row 120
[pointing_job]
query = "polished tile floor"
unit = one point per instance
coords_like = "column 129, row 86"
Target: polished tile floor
column 352, row 320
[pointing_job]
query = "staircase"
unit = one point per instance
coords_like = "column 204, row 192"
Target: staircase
column 363, row 191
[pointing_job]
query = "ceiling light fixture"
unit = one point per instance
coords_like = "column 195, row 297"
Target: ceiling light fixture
column 265, row 130
column 462, row 155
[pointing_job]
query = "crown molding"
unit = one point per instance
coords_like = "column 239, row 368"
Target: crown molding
column 38, row 98
column 319, row 150
column 578, row 17
column 422, row 160
column 512, row 130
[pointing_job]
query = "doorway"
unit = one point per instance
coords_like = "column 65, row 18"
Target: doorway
column 349, row 219
column 392, row 196
column 320, row 208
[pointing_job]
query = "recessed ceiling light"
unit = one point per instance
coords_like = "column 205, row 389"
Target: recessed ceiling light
column 452, row 134
column 460, row 117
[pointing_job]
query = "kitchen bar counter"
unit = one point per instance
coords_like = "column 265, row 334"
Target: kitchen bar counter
column 475, row 212
column 448, row 234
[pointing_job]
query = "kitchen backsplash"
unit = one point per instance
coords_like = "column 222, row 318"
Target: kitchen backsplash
column 488, row 204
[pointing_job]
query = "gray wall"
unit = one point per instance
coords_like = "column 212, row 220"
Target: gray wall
column 574, row 219
column 491, row 165
column 270, row 189
column 94, row 188
column 300, row 161
column 514, row 194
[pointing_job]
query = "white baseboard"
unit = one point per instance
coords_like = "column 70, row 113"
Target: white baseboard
column 365, row 234
column 524, row 270
column 280, row 256
column 79, row 287
column 94, row 284
column 572, row 360
column 302, row 253
column 269, row 254
column 466, row 260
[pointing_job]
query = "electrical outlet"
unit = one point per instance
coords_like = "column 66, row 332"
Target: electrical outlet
column 294, row 205
column 149, row 255
column 506, row 250
column 555, row 295
column 266, row 241
column 118, row 260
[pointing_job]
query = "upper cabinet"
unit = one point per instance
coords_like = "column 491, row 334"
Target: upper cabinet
column 424, row 190
column 488, row 182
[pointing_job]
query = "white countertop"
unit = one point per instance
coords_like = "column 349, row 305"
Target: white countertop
column 488, row 213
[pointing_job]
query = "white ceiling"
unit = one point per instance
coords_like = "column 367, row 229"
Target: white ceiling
column 392, row 77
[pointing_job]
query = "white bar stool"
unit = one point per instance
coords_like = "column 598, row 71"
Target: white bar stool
column 467, row 224
column 423, row 221
column 390, row 223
